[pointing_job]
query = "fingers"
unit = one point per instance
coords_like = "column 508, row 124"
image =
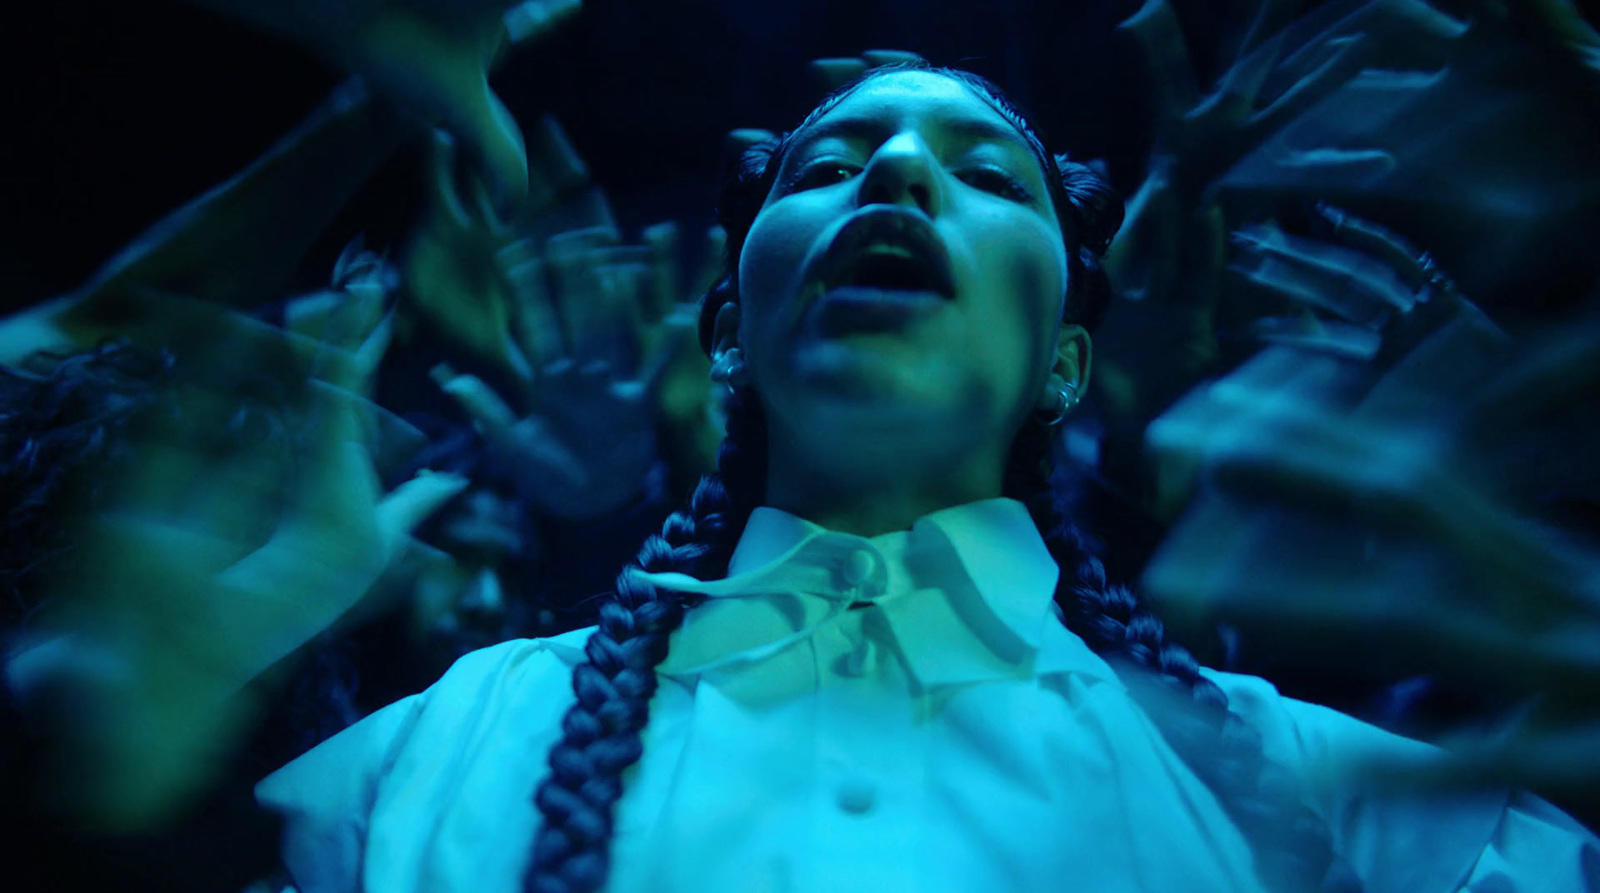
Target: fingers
column 712, row 261
column 529, row 21
column 1143, row 261
column 879, row 58
column 405, row 507
column 831, row 74
column 1156, row 30
column 536, row 325
column 1305, row 331
column 444, row 198
column 1274, row 448
column 443, row 79
column 478, row 400
column 611, row 326
column 600, row 284
column 307, row 315
column 1365, row 236
column 337, row 484
column 354, row 338
column 679, row 339
column 1344, row 63
column 1271, row 16
column 1348, row 283
column 555, row 169
column 664, row 241
column 369, row 356
column 1240, row 85
column 494, row 142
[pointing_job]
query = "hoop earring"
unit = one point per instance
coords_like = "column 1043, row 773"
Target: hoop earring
column 1066, row 398
column 728, row 367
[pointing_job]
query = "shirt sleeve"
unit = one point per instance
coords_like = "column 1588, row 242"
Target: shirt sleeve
column 1479, row 841
column 1537, row 848
column 326, row 796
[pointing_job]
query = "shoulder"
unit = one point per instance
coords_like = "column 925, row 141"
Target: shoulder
column 526, row 670
column 416, row 754
column 1334, row 744
column 515, row 662
column 1378, row 828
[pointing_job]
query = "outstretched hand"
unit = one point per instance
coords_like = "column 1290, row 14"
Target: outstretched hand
column 222, row 551
column 431, row 57
column 1357, row 492
column 610, row 360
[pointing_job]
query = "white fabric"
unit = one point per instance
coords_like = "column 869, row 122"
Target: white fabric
column 949, row 735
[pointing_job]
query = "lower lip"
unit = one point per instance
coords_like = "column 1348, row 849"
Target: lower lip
column 854, row 308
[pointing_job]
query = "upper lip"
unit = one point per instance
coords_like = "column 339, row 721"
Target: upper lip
column 887, row 226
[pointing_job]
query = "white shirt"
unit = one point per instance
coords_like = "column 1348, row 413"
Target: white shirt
column 951, row 735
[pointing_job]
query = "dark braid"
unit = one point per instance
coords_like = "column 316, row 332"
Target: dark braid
column 601, row 733
column 1292, row 845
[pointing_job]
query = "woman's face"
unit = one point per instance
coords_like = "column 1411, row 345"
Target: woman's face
column 844, row 307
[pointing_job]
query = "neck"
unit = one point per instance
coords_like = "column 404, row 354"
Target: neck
column 869, row 486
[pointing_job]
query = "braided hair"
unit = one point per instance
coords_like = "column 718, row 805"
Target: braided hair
column 601, row 733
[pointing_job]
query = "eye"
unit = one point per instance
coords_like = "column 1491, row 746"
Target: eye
column 823, row 173
column 997, row 181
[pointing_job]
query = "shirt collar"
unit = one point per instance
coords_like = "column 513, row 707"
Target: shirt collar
column 968, row 593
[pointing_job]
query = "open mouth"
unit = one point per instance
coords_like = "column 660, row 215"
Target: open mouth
column 888, row 248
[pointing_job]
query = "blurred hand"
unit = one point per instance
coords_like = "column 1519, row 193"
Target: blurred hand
column 431, row 57
column 464, row 266
column 1446, row 118
column 1386, row 495
column 1167, row 263
column 1335, row 294
column 222, row 551
column 832, row 73
column 607, row 370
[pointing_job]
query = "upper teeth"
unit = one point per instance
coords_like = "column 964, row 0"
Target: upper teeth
column 881, row 248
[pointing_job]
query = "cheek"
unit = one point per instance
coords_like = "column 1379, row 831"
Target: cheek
column 773, row 257
column 1023, row 269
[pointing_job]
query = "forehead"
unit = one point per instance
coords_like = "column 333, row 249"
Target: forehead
column 914, row 100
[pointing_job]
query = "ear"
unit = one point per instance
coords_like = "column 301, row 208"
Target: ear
column 1072, row 357
column 725, row 331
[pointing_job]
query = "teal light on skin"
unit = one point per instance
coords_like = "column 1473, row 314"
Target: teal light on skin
column 872, row 430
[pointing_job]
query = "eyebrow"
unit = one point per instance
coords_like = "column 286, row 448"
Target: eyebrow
column 974, row 129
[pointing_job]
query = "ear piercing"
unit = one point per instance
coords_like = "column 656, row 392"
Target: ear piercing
column 1064, row 398
column 727, row 367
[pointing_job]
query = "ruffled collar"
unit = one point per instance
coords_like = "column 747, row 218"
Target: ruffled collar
column 966, row 593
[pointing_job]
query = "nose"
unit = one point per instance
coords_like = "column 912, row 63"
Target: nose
column 902, row 172
column 484, row 599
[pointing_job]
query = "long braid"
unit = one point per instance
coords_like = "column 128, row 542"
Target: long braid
column 601, row 733
column 1292, row 846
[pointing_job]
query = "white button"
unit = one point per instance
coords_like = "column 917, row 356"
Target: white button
column 858, row 567
column 857, row 796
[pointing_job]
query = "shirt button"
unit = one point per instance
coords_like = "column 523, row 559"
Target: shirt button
column 858, row 567
column 857, row 796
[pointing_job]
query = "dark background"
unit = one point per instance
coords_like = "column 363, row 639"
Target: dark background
column 115, row 113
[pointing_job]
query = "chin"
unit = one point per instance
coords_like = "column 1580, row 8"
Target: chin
column 869, row 361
